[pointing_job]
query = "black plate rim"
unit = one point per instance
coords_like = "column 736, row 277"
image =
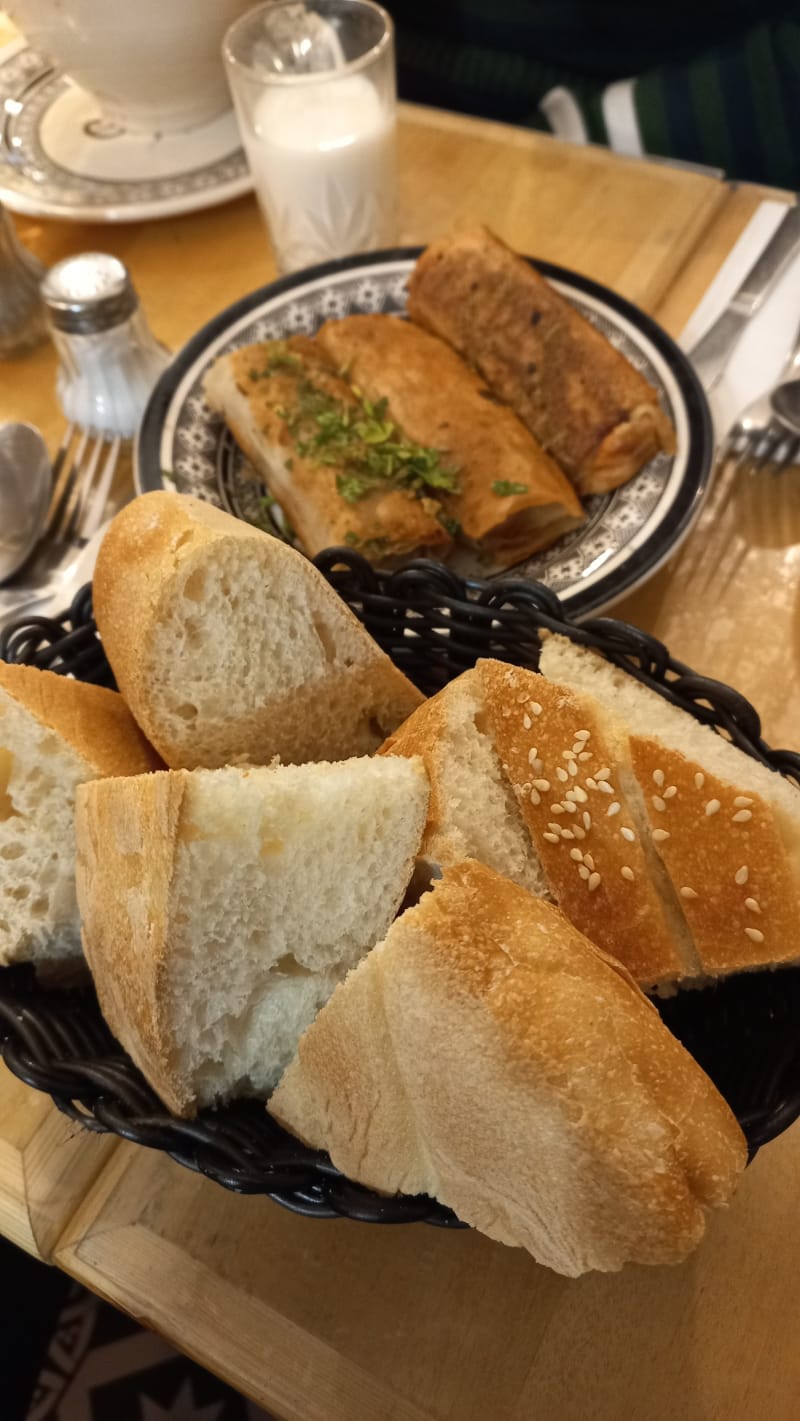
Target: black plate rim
column 641, row 564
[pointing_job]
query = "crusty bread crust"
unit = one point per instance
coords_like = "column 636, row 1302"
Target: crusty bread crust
column 488, row 1055
column 95, row 722
column 348, row 697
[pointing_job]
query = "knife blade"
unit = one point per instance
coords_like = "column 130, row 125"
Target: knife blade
column 713, row 351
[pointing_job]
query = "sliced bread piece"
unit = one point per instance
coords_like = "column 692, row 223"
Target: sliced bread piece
column 227, row 644
column 473, row 812
column 726, row 828
column 569, row 764
column 220, row 908
column 55, row 733
column 488, row 1055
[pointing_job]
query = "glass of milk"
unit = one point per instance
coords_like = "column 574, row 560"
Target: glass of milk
column 313, row 84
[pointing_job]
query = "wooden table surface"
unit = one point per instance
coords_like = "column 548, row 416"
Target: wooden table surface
column 344, row 1322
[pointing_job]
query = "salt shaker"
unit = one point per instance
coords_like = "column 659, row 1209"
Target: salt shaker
column 109, row 358
column 22, row 318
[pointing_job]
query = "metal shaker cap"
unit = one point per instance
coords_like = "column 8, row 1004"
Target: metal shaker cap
column 87, row 293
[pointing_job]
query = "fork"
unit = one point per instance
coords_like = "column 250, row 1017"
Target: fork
column 83, row 471
column 759, row 437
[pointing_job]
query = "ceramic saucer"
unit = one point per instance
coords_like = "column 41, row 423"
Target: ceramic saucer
column 60, row 158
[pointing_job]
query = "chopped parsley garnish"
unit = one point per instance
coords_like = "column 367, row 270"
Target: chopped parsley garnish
column 280, row 358
column 351, row 538
column 504, row 488
column 364, row 444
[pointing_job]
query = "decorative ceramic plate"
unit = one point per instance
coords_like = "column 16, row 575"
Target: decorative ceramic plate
column 60, row 158
column 627, row 534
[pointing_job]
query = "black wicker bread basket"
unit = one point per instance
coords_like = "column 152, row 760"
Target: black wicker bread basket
column 744, row 1031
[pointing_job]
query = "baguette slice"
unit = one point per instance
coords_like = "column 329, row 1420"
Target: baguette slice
column 473, row 812
column 726, row 828
column 488, row 1055
column 569, row 763
column 221, row 907
column 512, row 497
column 584, row 402
column 55, row 733
column 227, row 644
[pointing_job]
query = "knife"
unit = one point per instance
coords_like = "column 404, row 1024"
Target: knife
column 713, row 351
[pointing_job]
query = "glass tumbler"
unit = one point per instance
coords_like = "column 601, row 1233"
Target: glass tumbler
column 313, row 84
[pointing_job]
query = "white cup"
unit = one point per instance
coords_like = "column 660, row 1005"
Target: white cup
column 152, row 65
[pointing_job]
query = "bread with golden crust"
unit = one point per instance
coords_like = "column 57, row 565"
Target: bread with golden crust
column 593, row 413
column 221, row 907
column 486, row 1054
column 55, row 733
column 229, row 645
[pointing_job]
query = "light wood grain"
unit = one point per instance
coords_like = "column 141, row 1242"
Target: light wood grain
column 47, row 1165
column 345, row 1322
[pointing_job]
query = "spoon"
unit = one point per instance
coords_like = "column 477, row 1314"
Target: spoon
column 25, row 484
column 786, row 404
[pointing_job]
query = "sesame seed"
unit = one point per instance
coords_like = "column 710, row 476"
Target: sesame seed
column 752, row 905
column 567, row 834
column 594, row 881
column 543, row 785
column 688, row 893
column 587, row 819
column 537, row 766
column 741, row 875
column 577, row 855
column 572, row 767
column 577, row 748
column 713, row 806
column 526, row 722
column 551, row 838
column 570, row 806
column 628, row 834
column 582, row 734
column 742, row 802
column 658, row 803
column 532, row 755
column 536, row 708
column 699, row 780
column 660, row 835
column 568, row 754
column 557, row 808
column 658, row 778
column 583, row 871
column 590, row 783
column 742, row 815
column 562, row 775
column 536, row 798
column 613, row 809
column 754, row 935
column 627, row 873
column 604, row 787
column 553, row 827
column 670, row 791
column 578, row 831
column 604, row 774
column 569, row 795
column 580, row 794
column 585, row 755
column 588, row 860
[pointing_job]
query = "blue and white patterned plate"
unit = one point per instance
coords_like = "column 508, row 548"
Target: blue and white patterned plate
column 60, row 158
column 184, row 446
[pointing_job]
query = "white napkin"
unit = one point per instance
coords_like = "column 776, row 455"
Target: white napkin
column 757, row 361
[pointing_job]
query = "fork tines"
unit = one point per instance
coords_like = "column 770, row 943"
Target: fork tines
column 83, row 470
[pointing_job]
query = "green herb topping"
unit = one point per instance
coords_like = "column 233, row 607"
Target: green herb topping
column 280, row 358
column 504, row 488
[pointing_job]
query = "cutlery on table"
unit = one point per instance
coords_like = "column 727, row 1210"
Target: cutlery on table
column 83, row 472
column 713, row 351
column 25, row 488
column 767, row 432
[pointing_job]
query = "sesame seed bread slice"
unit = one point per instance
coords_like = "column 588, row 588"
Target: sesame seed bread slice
column 726, row 828
column 488, row 1055
column 55, row 733
column 228, row 645
column 473, row 812
column 571, row 771
column 221, row 907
